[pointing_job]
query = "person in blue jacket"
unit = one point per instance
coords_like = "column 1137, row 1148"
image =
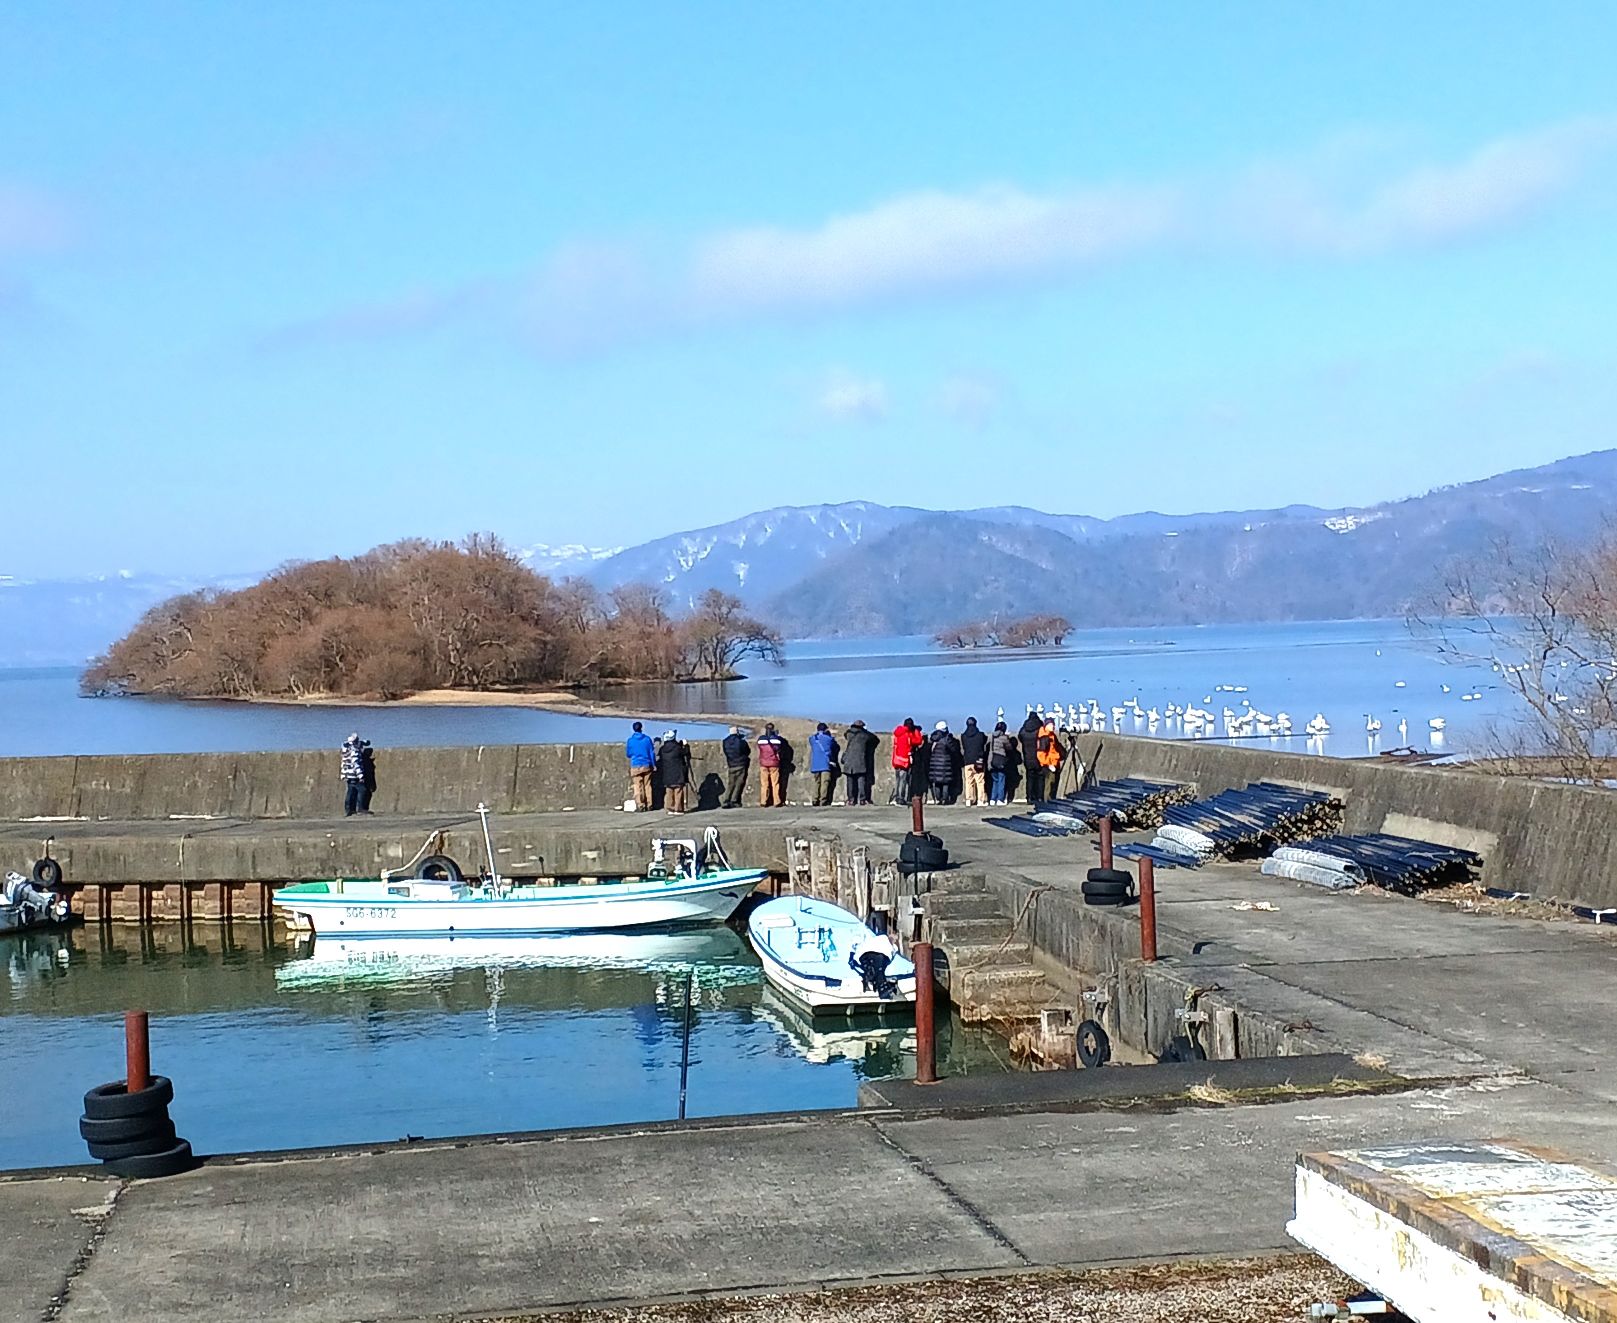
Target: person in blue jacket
column 642, row 756
column 823, row 755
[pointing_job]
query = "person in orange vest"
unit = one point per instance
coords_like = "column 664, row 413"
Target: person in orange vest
column 1050, row 755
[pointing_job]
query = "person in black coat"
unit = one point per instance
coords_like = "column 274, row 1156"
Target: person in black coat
column 674, row 771
column 859, row 762
column 1028, row 738
column 942, row 763
column 974, row 757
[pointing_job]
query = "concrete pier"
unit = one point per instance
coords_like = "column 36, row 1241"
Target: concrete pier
column 1457, row 1023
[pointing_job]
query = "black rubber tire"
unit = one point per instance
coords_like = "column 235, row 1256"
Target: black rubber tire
column 118, row 1129
column 1106, row 893
column 47, row 872
column 1109, row 899
column 1094, row 1047
column 157, row 1141
column 439, row 868
column 107, row 1101
column 1110, row 875
column 148, row 1166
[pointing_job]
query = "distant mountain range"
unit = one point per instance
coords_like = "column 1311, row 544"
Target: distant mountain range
column 863, row 568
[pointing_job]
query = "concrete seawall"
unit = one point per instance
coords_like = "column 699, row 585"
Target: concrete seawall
column 1551, row 840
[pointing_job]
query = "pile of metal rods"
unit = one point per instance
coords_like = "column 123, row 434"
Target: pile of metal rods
column 1399, row 863
column 1257, row 818
column 1132, row 802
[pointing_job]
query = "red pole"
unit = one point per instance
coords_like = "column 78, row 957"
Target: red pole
column 1106, row 841
column 137, row 1052
column 1148, row 910
column 917, row 816
column 926, row 1047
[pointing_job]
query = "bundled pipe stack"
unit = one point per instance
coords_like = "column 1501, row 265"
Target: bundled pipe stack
column 1132, row 802
column 1394, row 862
column 1251, row 820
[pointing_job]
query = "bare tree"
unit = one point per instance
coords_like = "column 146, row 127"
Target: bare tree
column 719, row 634
column 1545, row 621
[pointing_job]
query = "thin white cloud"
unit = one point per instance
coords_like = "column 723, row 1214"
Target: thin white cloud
column 591, row 296
column 847, row 398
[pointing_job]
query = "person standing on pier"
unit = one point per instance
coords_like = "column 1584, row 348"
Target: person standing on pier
column 859, row 762
column 367, row 776
column 1051, row 756
column 1001, row 758
column 1028, row 737
column 642, row 756
column 353, row 774
column 823, row 755
column 771, row 769
column 942, row 763
column 737, row 760
column 907, row 738
column 974, row 759
column 674, row 770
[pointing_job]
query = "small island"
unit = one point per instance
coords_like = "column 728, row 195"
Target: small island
column 418, row 616
column 1035, row 631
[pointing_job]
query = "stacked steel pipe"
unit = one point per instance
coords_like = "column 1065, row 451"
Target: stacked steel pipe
column 1131, row 801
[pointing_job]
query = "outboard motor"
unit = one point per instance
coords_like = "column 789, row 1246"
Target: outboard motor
column 35, row 903
column 872, row 965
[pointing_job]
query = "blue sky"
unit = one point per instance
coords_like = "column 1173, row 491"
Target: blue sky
column 291, row 280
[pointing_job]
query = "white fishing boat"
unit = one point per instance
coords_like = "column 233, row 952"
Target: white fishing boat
column 684, row 884
column 824, row 958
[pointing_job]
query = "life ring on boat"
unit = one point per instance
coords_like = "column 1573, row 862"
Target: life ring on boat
column 47, row 872
column 439, row 868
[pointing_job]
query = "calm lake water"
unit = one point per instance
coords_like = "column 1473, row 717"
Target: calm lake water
column 1344, row 669
column 275, row 1045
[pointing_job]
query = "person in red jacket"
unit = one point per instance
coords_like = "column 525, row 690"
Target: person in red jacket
column 907, row 738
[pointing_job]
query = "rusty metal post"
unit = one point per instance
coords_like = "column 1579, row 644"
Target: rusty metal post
column 1148, row 910
column 926, row 1046
column 137, row 1052
column 917, row 815
column 1106, row 840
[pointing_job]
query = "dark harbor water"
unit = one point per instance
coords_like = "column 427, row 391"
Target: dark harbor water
column 275, row 1044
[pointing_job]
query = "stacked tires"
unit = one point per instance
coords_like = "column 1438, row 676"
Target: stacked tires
column 1108, row 886
column 131, row 1133
column 921, row 852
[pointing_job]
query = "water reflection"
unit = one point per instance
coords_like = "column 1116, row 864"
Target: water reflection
column 273, row 1043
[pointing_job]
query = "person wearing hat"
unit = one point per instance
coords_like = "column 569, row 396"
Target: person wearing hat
column 353, row 773
column 859, row 762
column 737, row 760
column 823, row 756
column 942, row 763
column 673, row 770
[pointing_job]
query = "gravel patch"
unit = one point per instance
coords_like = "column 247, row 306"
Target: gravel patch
column 1266, row 1290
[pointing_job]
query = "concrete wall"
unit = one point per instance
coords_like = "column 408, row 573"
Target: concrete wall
column 1551, row 840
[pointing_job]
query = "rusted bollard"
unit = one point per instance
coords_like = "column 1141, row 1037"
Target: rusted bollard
column 1106, row 840
column 917, row 816
column 926, row 1047
column 137, row 1052
column 1148, row 910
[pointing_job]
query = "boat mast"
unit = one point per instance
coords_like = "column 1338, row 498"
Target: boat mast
column 488, row 845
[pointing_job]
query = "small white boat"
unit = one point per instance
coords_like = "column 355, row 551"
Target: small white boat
column 825, row 959
column 681, row 886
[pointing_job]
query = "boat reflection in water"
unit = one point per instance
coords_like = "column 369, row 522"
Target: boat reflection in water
column 876, row 1048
